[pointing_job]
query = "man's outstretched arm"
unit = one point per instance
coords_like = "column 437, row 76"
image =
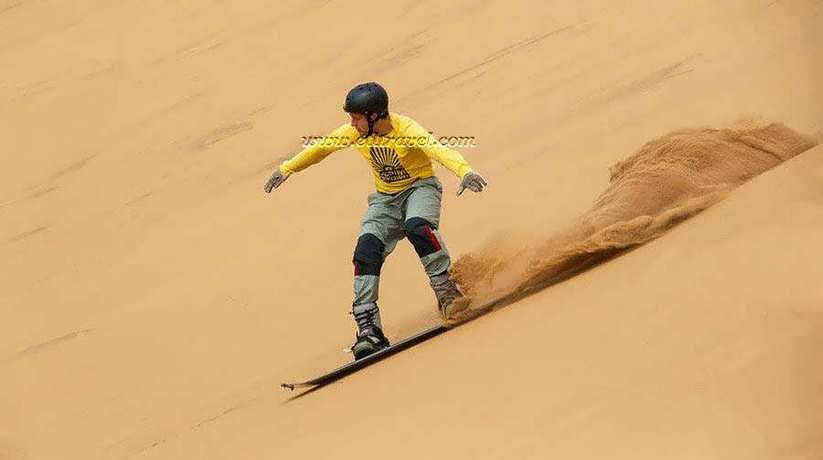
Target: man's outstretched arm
column 450, row 158
column 314, row 153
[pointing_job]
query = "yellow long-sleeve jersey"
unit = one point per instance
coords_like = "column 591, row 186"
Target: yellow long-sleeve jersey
column 397, row 159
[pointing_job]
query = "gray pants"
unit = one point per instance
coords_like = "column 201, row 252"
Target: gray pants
column 413, row 213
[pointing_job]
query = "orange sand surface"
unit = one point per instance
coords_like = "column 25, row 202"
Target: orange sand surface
column 153, row 298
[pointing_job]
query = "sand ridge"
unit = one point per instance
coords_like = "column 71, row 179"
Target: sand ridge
column 665, row 182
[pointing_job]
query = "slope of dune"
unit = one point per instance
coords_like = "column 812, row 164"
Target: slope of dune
column 664, row 183
column 153, row 297
column 702, row 344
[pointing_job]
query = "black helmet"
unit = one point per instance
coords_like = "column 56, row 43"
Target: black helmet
column 369, row 99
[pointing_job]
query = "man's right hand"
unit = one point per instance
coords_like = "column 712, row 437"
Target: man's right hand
column 275, row 180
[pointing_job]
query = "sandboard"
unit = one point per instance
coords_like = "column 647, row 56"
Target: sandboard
column 362, row 363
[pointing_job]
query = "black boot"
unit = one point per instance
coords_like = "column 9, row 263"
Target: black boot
column 368, row 342
column 370, row 338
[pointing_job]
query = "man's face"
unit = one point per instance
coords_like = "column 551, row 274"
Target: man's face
column 359, row 121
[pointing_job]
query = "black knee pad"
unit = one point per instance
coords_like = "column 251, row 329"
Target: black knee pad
column 419, row 232
column 368, row 255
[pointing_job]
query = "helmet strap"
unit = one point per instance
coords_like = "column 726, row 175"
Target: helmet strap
column 372, row 122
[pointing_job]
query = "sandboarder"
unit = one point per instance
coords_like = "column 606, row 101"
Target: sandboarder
column 406, row 203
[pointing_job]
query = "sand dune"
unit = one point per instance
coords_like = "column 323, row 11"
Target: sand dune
column 153, row 298
column 667, row 181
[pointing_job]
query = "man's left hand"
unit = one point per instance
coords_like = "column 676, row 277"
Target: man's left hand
column 473, row 182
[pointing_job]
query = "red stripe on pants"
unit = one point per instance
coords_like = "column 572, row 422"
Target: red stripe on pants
column 432, row 238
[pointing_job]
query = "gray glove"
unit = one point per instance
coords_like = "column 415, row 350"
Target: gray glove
column 473, row 182
column 275, row 180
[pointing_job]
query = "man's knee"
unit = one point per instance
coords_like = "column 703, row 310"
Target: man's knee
column 420, row 234
column 368, row 255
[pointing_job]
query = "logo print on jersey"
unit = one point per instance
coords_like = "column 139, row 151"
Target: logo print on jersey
column 384, row 160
